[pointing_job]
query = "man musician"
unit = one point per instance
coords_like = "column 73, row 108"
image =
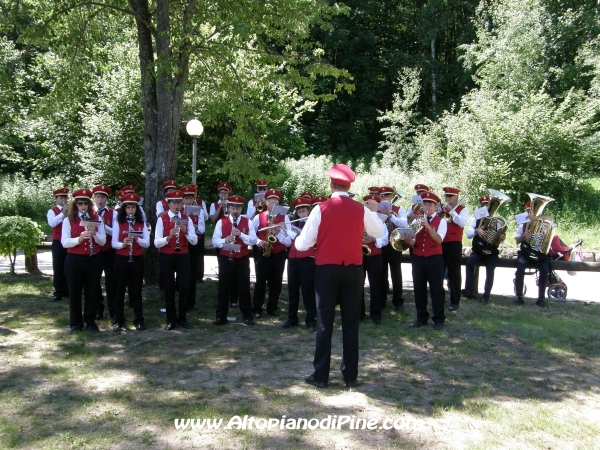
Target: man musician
column 218, row 209
column 55, row 218
column 162, row 206
column 234, row 265
column 261, row 188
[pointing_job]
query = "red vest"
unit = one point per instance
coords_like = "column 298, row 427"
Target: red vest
column 221, row 214
column 83, row 248
column 107, row 218
column 123, row 230
column 340, row 233
column 454, row 232
column 165, row 205
column 195, row 221
column 57, row 230
column 167, row 227
column 297, row 254
column 263, row 221
column 424, row 244
column 244, row 227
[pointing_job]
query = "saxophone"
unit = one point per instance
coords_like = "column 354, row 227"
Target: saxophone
column 271, row 239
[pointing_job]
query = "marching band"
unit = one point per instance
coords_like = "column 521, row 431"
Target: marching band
column 431, row 229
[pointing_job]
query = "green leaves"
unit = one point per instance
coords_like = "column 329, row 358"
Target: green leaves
column 18, row 233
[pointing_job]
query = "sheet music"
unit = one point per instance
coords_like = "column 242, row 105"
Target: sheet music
column 280, row 210
column 521, row 218
column 480, row 213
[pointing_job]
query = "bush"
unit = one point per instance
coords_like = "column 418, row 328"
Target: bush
column 18, row 232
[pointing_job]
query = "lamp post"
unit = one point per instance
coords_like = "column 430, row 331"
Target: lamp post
column 194, row 128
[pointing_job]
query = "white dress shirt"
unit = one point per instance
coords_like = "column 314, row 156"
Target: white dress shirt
column 308, row 237
column 282, row 236
column 460, row 219
column 67, row 241
column 442, row 227
column 401, row 220
column 247, row 238
column 161, row 241
column 55, row 219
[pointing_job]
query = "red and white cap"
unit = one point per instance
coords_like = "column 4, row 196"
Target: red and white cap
column 386, row 190
column 177, row 194
column 374, row 190
column 170, row 184
column 341, row 174
column 224, row 185
column 301, row 202
column 190, row 189
column 236, row 200
column 450, row 190
column 130, row 198
column 83, row 193
column 273, row 193
column 128, row 188
column 307, row 194
column 318, row 199
column 484, row 199
column 430, row 196
column 60, row 191
column 377, row 198
column 101, row 189
column 421, row 187
column 261, row 182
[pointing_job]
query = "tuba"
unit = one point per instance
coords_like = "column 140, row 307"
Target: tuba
column 542, row 231
column 493, row 227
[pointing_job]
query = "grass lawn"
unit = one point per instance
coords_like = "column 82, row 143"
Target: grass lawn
column 497, row 376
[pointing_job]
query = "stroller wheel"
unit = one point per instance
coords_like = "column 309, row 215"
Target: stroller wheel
column 557, row 291
column 515, row 287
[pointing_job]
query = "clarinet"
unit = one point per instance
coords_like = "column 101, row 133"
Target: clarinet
column 234, row 226
column 92, row 252
column 130, row 219
column 177, row 248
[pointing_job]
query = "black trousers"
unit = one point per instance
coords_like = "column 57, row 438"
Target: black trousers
column 200, row 274
column 452, row 252
column 429, row 271
column 195, row 254
column 393, row 260
column 343, row 285
column 372, row 266
column 83, row 272
column 490, row 262
column 171, row 264
column 129, row 276
column 108, row 267
column 234, row 273
column 268, row 270
column 543, row 267
column 301, row 275
column 59, row 280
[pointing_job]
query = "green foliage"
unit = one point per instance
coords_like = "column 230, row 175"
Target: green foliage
column 17, row 232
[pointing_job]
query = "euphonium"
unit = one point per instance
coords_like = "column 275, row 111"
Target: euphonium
column 542, row 231
column 493, row 227
column 365, row 248
column 396, row 240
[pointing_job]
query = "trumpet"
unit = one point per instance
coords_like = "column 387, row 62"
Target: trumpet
column 260, row 206
column 226, row 208
column 65, row 208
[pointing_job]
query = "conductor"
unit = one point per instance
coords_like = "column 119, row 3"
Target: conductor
column 336, row 226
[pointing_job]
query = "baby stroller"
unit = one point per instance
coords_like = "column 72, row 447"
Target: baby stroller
column 557, row 288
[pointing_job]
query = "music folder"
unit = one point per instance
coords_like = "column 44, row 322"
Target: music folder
column 280, row 210
column 192, row 210
column 480, row 213
column 521, row 218
column 90, row 223
column 259, row 196
column 233, row 247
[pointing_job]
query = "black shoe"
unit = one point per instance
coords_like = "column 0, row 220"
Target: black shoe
column 519, row 301
column 220, row 322
column 289, row 324
column 398, row 307
column 311, row 380
column 99, row 316
column 249, row 322
column 311, row 326
column 273, row 313
column 377, row 321
column 452, row 307
column 438, row 326
column 468, row 294
column 76, row 328
column 55, row 299
column 191, row 307
column 116, row 327
column 140, row 326
column 484, row 300
column 185, row 325
column 233, row 305
column 541, row 303
column 170, row 326
column 257, row 315
column 353, row 384
column 418, row 324
column 92, row 328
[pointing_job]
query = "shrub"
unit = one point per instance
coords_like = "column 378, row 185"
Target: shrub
column 18, row 232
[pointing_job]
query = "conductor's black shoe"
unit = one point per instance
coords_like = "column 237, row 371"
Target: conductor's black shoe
column 274, row 313
column 220, row 322
column 249, row 322
column 116, row 327
column 170, row 326
column 468, row 294
column 185, row 324
column 140, row 326
column 311, row 326
column 519, row 301
column 257, row 315
column 541, row 303
column 438, row 326
column 418, row 324
column 353, row 384
column 92, row 328
column 289, row 324
column 452, row 307
column 311, row 380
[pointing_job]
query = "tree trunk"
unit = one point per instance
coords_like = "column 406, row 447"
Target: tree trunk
column 433, row 78
column 31, row 264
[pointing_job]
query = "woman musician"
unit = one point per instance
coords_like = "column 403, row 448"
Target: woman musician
column 129, row 259
column 83, row 268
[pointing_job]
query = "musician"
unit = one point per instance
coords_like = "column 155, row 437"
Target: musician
column 415, row 207
column 373, row 263
column 129, row 260
column 162, row 206
column 478, row 257
column 373, row 190
column 105, row 252
column 428, row 263
column 55, row 217
column 307, row 195
column 174, row 230
column 234, row 266
column 217, row 209
column 392, row 258
column 189, row 199
column 129, row 189
column 269, row 269
column 317, row 200
column 301, row 272
column 452, row 245
column 83, row 268
column 261, row 187
column 336, row 226
column 525, row 260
